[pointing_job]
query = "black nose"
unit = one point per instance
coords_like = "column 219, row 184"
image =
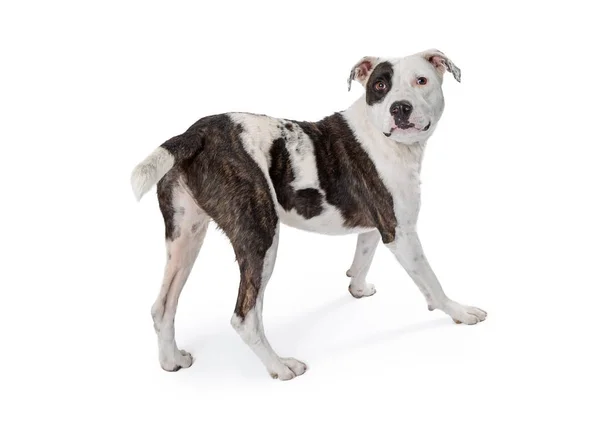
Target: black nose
column 401, row 109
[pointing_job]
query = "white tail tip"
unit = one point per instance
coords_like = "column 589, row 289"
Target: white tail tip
column 150, row 171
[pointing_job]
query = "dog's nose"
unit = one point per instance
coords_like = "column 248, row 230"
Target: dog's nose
column 401, row 109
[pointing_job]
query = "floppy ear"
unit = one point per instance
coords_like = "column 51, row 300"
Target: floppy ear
column 362, row 70
column 441, row 63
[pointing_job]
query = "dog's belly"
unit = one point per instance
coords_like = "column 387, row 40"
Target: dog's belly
column 329, row 222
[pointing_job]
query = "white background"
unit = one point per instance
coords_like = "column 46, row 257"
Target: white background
column 509, row 219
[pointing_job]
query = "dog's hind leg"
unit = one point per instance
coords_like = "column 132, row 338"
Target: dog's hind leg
column 186, row 226
column 363, row 256
column 247, row 319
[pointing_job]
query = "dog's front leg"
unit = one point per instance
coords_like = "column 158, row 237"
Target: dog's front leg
column 409, row 252
column 366, row 244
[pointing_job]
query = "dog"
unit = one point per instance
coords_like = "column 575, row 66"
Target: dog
column 354, row 172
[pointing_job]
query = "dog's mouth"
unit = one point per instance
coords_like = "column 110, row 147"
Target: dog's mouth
column 407, row 125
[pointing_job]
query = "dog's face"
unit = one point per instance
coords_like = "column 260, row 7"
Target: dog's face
column 404, row 95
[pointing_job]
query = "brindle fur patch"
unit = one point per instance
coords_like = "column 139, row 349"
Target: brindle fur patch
column 349, row 178
column 231, row 188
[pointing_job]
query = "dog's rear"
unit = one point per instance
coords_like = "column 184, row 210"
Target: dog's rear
column 161, row 160
column 185, row 226
column 206, row 174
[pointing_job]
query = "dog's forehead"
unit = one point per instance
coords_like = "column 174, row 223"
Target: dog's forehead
column 409, row 66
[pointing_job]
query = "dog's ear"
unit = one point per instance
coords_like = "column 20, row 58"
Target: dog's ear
column 441, row 63
column 362, row 70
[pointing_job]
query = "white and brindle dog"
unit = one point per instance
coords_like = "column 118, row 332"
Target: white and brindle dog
column 356, row 171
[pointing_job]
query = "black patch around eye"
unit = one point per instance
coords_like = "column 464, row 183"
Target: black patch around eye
column 383, row 72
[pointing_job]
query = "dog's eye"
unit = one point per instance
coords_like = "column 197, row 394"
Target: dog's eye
column 421, row 81
column 380, row 86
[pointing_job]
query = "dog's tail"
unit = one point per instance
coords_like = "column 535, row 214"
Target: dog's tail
column 161, row 160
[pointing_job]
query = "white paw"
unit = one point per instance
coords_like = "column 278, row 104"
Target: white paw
column 464, row 314
column 180, row 360
column 287, row 368
column 361, row 290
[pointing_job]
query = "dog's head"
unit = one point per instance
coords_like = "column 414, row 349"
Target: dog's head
column 404, row 95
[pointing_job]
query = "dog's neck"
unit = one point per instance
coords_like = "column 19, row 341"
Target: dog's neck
column 357, row 117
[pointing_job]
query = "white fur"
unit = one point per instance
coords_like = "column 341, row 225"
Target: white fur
column 409, row 252
column 399, row 166
column 257, row 138
column 427, row 100
column 252, row 332
column 302, row 158
column 150, row 171
column 329, row 222
column 192, row 223
column 366, row 244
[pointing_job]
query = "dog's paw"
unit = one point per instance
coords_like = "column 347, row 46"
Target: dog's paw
column 287, row 368
column 361, row 290
column 180, row 360
column 464, row 314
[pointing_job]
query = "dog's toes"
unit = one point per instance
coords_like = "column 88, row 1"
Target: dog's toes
column 288, row 368
column 298, row 367
column 181, row 360
column 363, row 290
column 171, row 369
column 464, row 314
column 283, row 374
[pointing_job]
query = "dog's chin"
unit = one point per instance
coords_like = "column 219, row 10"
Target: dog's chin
column 406, row 130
